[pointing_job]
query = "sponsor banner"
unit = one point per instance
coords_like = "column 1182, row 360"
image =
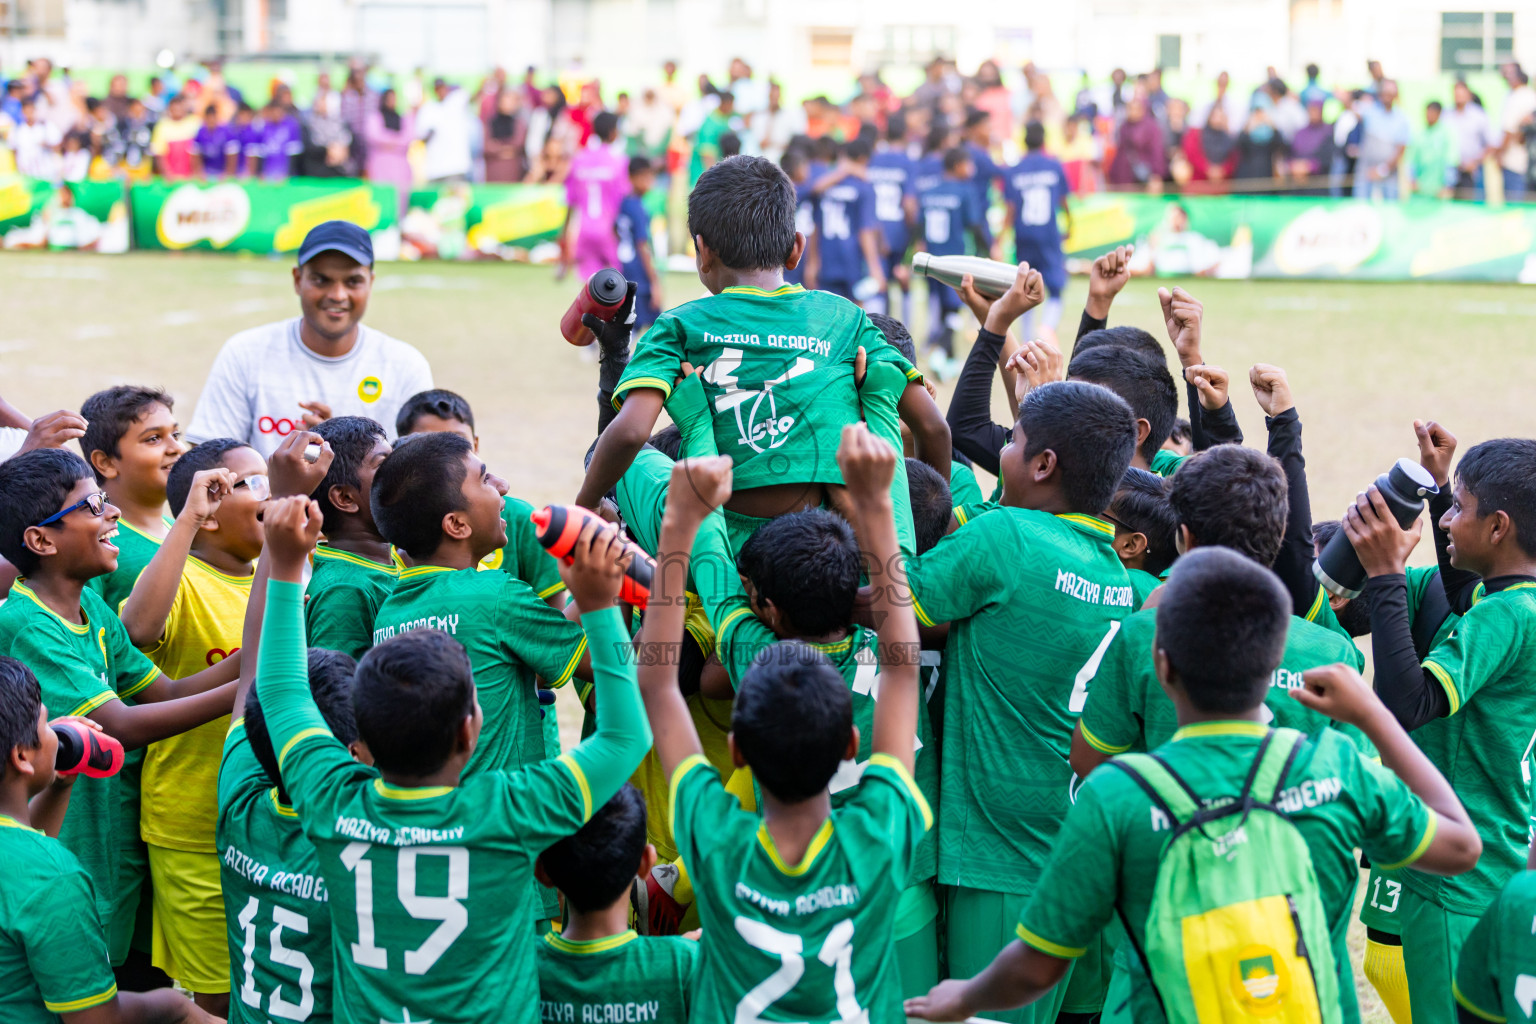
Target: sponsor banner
column 87, row 215
column 478, row 221
column 257, row 216
column 1306, row 237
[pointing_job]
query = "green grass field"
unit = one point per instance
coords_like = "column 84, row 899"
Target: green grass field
column 1364, row 359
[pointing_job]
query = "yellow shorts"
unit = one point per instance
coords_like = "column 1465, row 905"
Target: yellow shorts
column 190, row 941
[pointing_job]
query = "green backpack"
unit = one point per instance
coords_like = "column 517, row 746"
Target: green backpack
column 1236, row 930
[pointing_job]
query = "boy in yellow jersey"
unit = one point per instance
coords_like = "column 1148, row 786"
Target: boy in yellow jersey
column 186, row 611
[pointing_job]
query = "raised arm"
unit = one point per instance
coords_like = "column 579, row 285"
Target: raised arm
column 1211, row 419
column 970, row 410
column 148, row 607
column 1106, row 277
column 1293, row 564
column 1437, row 446
column 619, row 442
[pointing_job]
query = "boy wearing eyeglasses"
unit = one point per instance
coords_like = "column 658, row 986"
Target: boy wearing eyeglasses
column 186, row 612
column 57, row 527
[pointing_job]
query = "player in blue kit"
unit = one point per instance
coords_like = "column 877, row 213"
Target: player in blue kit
column 794, row 163
column 977, row 137
column 946, row 212
column 1034, row 189
column 891, row 173
column 846, row 246
column 636, row 260
column 928, row 169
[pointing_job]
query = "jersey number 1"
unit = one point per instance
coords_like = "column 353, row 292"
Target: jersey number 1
column 448, row 909
column 836, row 953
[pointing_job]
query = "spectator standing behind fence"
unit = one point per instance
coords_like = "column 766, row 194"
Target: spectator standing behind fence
column 1140, row 159
column 389, row 134
column 281, row 137
column 1311, row 153
column 1519, row 106
column 357, row 102
column 443, row 124
column 1469, row 123
column 327, row 140
column 173, row 140
column 505, row 129
column 1432, row 157
column 1260, row 155
column 1384, row 137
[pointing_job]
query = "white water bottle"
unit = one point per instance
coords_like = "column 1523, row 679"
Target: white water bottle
column 990, row 277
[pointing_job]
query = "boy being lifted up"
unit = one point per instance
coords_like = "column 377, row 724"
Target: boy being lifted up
column 778, row 362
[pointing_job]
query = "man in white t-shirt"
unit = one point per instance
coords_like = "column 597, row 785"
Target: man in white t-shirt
column 269, row 381
column 444, row 125
column 1519, row 106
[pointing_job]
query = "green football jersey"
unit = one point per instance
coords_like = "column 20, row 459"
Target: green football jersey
column 523, row 556
column 1127, row 709
column 53, row 950
column 617, row 979
column 1107, row 853
column 80, row 668
column 1487, row 666
column 1165, row 463
column 1420, row 578
column 276, row 906
column 1013, row 694
column 778, row 372
column 1496, row 978
column 813, row 941
column 135, row 548
column 963, row 486
column 343, row 596
column 511, row 636
column 1142, row 585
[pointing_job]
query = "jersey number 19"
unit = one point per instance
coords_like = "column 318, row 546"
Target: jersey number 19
column 448, row 909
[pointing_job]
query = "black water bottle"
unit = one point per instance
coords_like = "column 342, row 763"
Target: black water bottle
column 1404, row 486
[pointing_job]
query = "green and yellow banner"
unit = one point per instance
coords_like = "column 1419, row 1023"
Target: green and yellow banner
column 255, row 216
column 88, row 215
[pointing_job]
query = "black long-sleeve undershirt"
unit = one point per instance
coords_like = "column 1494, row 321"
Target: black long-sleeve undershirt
column 1410, row 692
column 1293, row 564
column 971, row 429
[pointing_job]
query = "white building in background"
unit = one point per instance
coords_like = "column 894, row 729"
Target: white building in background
column 799, row 40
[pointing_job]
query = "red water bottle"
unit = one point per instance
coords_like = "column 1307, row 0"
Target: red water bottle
column 602, row 295
column 558, row 526
column 85, row 751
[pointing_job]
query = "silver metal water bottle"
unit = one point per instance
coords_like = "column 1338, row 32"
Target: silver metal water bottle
column 990, row 277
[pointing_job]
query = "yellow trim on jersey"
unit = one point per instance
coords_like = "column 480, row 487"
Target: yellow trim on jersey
column 284, row 810
column 1447, row 682
column 581, row 783
column 745, row 289
column 389, row 792
column 1517, row 586
column 551, row 590
column 917, row 609
column 588, row 946
column 25, row 591
column 570, row 666
column 412, row 572
column 836, row 647
column 887, row 761
column 1093, row 523
column 664, row 386
column 1430, row 829
column 93, row 703
column 123, row 524
column 1221, row 729
column 325, row 553
column 1047, row 946
column 142, row 684
column 818, row 842
column 303, row 734
column 75, row 1005
column 960, row 514
column 690, row 762
column 6, row 821
column 1467, row 1004
column 1098, row 744
column 1317, row 605
column 244, row 582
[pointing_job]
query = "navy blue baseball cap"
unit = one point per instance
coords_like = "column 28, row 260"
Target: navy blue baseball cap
column 337, row 236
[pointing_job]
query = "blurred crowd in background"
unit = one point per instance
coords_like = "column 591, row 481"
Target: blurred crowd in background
column 1126, row 133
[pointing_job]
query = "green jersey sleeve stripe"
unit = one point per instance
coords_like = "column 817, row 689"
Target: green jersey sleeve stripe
column 887, row 761
column 87, row 1002
column 664, row 386
column 149, row 677
column 917, row 609
column 689, row 764
column 305, row 734
column 1466, row 1004
column 1448, row 683
column 1098, row 744
column 1317, row 605
column 570, row 666
column 1047, row 946
column 93, row 703
column 581, row 783
column 960, row 514
column 550, row 591
column 1430, row 828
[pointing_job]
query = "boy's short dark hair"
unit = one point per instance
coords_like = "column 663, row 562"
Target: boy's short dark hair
column 439, row 402
column 409, row 695
column 605, row 125
column 1093, row 433
column 33, row 486
column 932, row 504
column 1145, row 384
column 669, row 441
column 897, row 334
column 637, row 163
column 974, row 117
column 938, row 134
column 857, row 150
column 20, row 698
column 1434, row 105
column 1501, row 475
column 896, row 126
column 1034, row 136
column 807, row 564
column 1323, row 531
column 1221, row 623
column 108, row 415
column 792, row 720
column 1142, row 504
column 743, row 208
column 351, row 439
column 730, row 144
column 791, row 162
column 596, row 864
column 1124, row 336
column 955, row 158
column 416, row 485
column 1182, row 431
column 1234, row 497
column 208, row 455
column 330, row 683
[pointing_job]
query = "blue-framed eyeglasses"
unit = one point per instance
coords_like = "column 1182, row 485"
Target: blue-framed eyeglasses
column 97, row 503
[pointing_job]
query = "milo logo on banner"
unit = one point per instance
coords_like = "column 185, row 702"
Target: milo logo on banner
column 191, row 214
